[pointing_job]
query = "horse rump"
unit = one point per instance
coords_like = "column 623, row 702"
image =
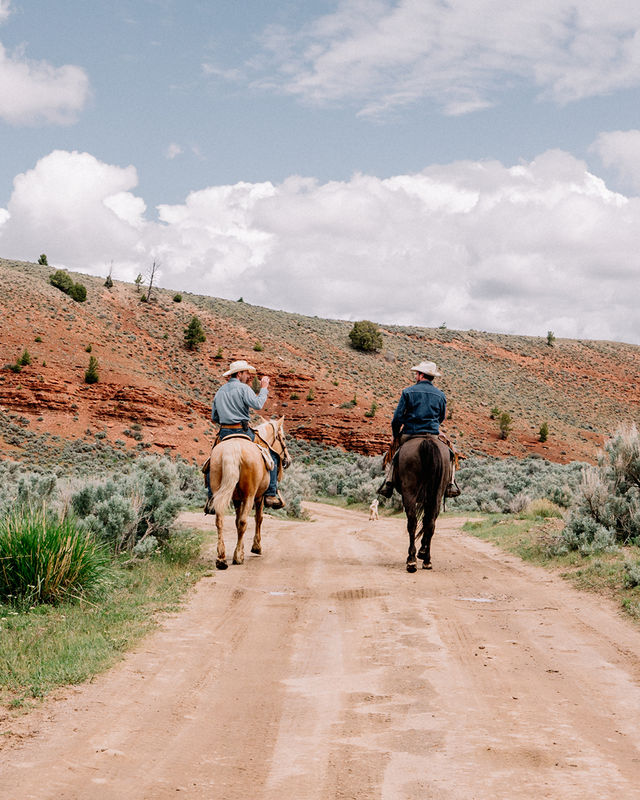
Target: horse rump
column 431, row 487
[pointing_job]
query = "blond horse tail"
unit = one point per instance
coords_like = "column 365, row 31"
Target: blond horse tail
column 230, row 469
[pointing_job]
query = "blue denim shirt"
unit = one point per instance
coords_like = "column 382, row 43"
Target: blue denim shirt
column 232, row 402
column 421, row 409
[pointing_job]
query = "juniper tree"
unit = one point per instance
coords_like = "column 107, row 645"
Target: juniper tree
column 194, row 334
column 366, row 336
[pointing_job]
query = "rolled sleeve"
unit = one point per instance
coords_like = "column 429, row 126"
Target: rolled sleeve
column 398, row 416
column 254, row 400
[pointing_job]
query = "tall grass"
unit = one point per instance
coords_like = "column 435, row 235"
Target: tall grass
column 46, row 558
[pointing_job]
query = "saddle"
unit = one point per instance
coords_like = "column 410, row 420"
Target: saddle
column 264, row 451
column 395, row 445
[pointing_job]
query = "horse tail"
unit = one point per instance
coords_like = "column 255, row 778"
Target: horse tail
column 432, row 467
column 230, row 471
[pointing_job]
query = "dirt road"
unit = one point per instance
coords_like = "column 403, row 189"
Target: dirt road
column 323, row 671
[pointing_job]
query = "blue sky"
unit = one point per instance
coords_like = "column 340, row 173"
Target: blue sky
column 414, row 161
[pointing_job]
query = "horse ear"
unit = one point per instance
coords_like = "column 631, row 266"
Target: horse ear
column 262, row 420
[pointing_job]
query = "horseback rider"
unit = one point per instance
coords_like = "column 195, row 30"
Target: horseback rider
column 231, row 407
column 420, row 410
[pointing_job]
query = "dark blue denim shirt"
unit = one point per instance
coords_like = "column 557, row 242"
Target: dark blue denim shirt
column 421, row 409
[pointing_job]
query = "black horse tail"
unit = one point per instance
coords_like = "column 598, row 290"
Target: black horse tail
column 432, row 467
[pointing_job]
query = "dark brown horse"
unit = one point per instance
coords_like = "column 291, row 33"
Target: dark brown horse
column 422, row 475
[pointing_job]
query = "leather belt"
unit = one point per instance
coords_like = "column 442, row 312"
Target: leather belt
column 233, row 425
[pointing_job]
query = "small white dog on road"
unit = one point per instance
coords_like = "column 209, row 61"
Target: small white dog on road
column 373, row 509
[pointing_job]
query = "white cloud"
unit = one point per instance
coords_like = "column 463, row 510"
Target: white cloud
column 173, row 150
column 620, row 150
column 525, row 249
column 383, row 54
column 32, row 92
column 76, row 207
column 5, row 9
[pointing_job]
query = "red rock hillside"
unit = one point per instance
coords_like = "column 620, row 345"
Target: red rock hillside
column 152, row 389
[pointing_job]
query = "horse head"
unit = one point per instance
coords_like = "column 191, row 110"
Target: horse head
column 272, row 432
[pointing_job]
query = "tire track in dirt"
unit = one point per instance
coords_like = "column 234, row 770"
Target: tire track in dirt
column 323, row 670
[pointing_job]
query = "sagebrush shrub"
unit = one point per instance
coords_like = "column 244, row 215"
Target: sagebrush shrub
column 609, row 496
column 127, row 508
column 510, row 484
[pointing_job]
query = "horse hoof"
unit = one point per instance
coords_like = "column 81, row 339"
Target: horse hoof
column 412, row 567
column 426, row 565
column 221, row 564
column 256, row 550
column 422, row 553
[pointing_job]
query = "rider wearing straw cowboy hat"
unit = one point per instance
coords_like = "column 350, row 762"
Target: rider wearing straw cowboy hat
column 231, row 408
column 420, row 410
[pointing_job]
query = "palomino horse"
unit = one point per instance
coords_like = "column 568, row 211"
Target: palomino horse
column 238, row 472
column 422, row 476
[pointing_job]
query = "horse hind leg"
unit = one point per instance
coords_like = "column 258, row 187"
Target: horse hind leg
column 221, row 560
column 256, row 547
column 242, row 512
column 412, row 524
column 425, row 547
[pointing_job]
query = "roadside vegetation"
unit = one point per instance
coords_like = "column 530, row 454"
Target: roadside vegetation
column 85, row 566
column 579, row 518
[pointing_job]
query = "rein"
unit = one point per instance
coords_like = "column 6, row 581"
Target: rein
column 277, row 444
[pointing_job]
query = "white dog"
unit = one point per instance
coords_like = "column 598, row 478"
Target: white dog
column 373, row 509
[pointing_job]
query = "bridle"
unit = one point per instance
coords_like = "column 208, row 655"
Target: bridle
column 278, row 438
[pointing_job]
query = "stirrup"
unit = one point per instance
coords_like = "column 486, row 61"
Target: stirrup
column 208, row 508
column 452, row 490
column 274, row 501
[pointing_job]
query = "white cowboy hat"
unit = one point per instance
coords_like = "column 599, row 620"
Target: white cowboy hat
column 427, row 368
column 238, row 366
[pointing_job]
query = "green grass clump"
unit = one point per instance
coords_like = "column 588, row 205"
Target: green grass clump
column 49, row 646
column 45, row 558
column 541, row 508
column 612, row 573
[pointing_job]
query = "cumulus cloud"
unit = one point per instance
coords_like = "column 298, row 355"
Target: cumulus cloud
column 383, row 54
column 74, row 205
column 524, row 249
column 34, row 92
column 620, row 150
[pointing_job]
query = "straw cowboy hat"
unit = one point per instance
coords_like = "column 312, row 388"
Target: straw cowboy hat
column 427, row 368
column 238, row 366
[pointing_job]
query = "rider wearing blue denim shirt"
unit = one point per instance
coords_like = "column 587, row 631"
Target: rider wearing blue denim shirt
column 420, row 410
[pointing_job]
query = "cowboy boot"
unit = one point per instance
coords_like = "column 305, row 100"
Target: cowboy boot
column 452, row 490
column 274, row 501
column 208, row 508
column 386, row 490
